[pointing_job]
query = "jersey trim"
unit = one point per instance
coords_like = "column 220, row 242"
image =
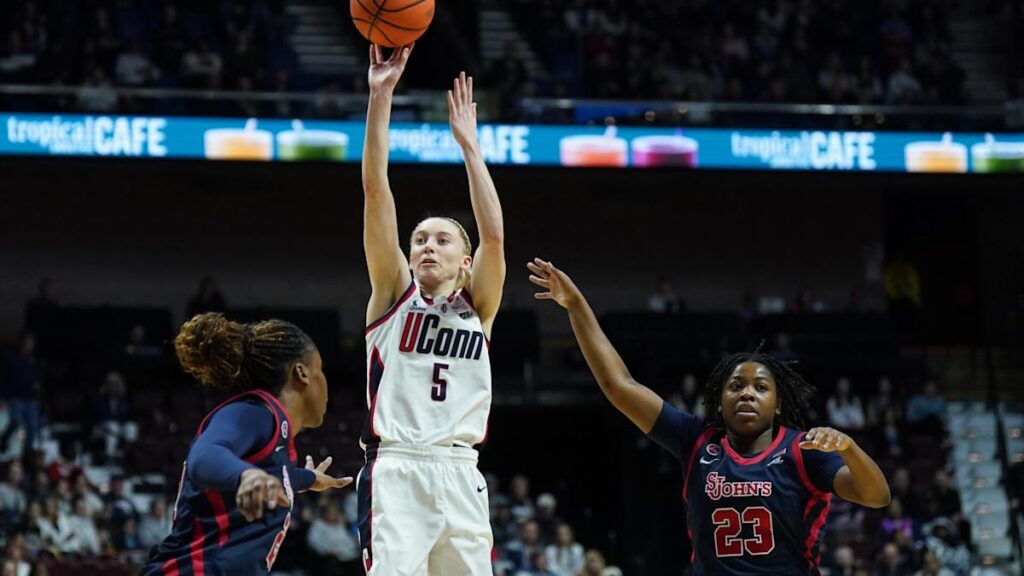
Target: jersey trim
column 798, row 458
column 220, row 514
column 373, row 381
column 704, row 437
column 273, row 401
column 170, row 568
column 197, row 548
column 394, row 308
column 824, row 499
column 758, row 457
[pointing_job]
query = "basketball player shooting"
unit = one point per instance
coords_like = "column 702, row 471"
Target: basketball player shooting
column 423, row 506
column 757, row 488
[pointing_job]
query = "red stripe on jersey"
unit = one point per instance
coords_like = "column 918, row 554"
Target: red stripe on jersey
column 704, row 436
column 394, row 308
column 196, row 548
column 271, row 399
column 170, row 568
column 759, row 457
column 269, row 447
column 220, row 514
column 798, row 458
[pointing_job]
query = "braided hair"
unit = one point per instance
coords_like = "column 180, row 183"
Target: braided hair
column 793, row 391
column 231, row 355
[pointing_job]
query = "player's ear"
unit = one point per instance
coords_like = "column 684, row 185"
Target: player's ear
column 301, row 372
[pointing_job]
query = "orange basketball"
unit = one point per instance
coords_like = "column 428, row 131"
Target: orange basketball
column 392, row 22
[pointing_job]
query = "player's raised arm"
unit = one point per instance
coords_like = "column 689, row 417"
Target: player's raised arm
column 638, row 402
column 488, row 277
column 389, row 271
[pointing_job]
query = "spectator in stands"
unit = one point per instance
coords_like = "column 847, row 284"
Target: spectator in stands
column 126, row 538
column 879, row 402
column 81, row 488
column 928, row 407
column 40, row 311
column 55, row 528
column 595, row 565
column 118, row 506
column 503, row 525
column 689, row 397
column 12, row 436
column 896, row 520
column 546, row 518
column 565, row 555
column 520, row 550
column 495, row 498
column 889, row 433
column 664, row 298
column 21, row 374
column 329, row 102
column 900, row 486
column 783, row 349
column 933, row 567
column 520, row 502
column 16, row 553
column 208, row 298
column 331, row 539
column 133, row 67
column 845, row 520
column 844, row 408
column 155, row 525
column 96, row 94
column 942, row 541
column 111, row 415
column 943, row 500
column 891, row 563
column 13, row 500
column 843, row 562
column 87, row 540
column 201, row 67
column 904, row 87
column 538, row 565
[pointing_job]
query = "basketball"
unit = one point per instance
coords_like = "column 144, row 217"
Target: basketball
column 392, row 22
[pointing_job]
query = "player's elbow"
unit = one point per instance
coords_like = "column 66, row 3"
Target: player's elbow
column 494, row 236
column 879, row 500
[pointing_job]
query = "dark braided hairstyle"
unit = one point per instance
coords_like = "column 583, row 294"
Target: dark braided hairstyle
column 793, row 391
column 226, row 354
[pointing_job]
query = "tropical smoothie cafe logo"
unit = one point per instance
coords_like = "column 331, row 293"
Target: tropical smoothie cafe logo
column 500, row 144
column 90, row 135
column 812, row 150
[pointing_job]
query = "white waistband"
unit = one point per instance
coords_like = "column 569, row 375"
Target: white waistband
column 427, row 453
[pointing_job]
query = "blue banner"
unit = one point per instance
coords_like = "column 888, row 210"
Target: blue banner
column 535, row 145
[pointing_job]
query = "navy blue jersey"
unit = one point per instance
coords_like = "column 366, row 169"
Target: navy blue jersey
column 209, row 534
column 749, row 513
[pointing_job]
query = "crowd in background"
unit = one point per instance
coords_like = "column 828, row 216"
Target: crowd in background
column 65, row 498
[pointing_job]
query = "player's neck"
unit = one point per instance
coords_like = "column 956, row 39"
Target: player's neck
column 292, row 403
column 751, row 444
column 443, row 290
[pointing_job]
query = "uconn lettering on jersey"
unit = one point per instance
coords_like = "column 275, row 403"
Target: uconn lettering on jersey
column 717, row 488
column 422, row 336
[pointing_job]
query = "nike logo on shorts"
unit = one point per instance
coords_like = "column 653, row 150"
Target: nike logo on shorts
column 481, row 489
column 705, row 461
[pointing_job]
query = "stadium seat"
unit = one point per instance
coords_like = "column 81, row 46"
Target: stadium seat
column 995, row 549
column 973, row 425
column 988, row 526
column 980, row 475
column 974, row 450
column 965, row 407
column 984, row 501
column 1015, row 450
column 1013, row 426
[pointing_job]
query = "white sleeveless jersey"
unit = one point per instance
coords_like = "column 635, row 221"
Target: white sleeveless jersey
column 428, row 373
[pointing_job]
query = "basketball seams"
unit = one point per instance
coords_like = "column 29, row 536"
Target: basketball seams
column 376, row 18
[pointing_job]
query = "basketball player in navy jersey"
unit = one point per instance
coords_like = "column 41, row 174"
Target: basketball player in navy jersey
column 423, row 507
column 239, row 480
column 757, row 488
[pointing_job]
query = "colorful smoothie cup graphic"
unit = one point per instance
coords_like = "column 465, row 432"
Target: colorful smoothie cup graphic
column 991, row 156
column 668, row 150
column 942, row 156
column 239, row 144
column 299, row 144
column 594, row 150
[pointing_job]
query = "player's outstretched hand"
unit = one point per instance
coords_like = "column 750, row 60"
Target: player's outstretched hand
column 385, row 74
column 323, row 480
column 559, row 287
column 462, row 110
column 256, row 489
column 826, row 439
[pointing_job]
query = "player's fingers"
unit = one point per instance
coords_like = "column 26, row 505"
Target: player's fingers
column 469, row 90
column 324, row 465
column 378, row 53
column 539, row 281
column 536, row 269
column 811, row 434
column 273, row 495
column 309, row 462
column 245, row 504
column 342, row 482
column 451, row 103
column 543, row 296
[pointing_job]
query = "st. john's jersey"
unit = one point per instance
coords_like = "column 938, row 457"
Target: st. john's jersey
column 750, row 514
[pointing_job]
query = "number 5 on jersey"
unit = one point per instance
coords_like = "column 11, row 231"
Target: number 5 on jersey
column 439, row 391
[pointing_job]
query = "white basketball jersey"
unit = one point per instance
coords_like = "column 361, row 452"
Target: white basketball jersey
column 428, row 373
